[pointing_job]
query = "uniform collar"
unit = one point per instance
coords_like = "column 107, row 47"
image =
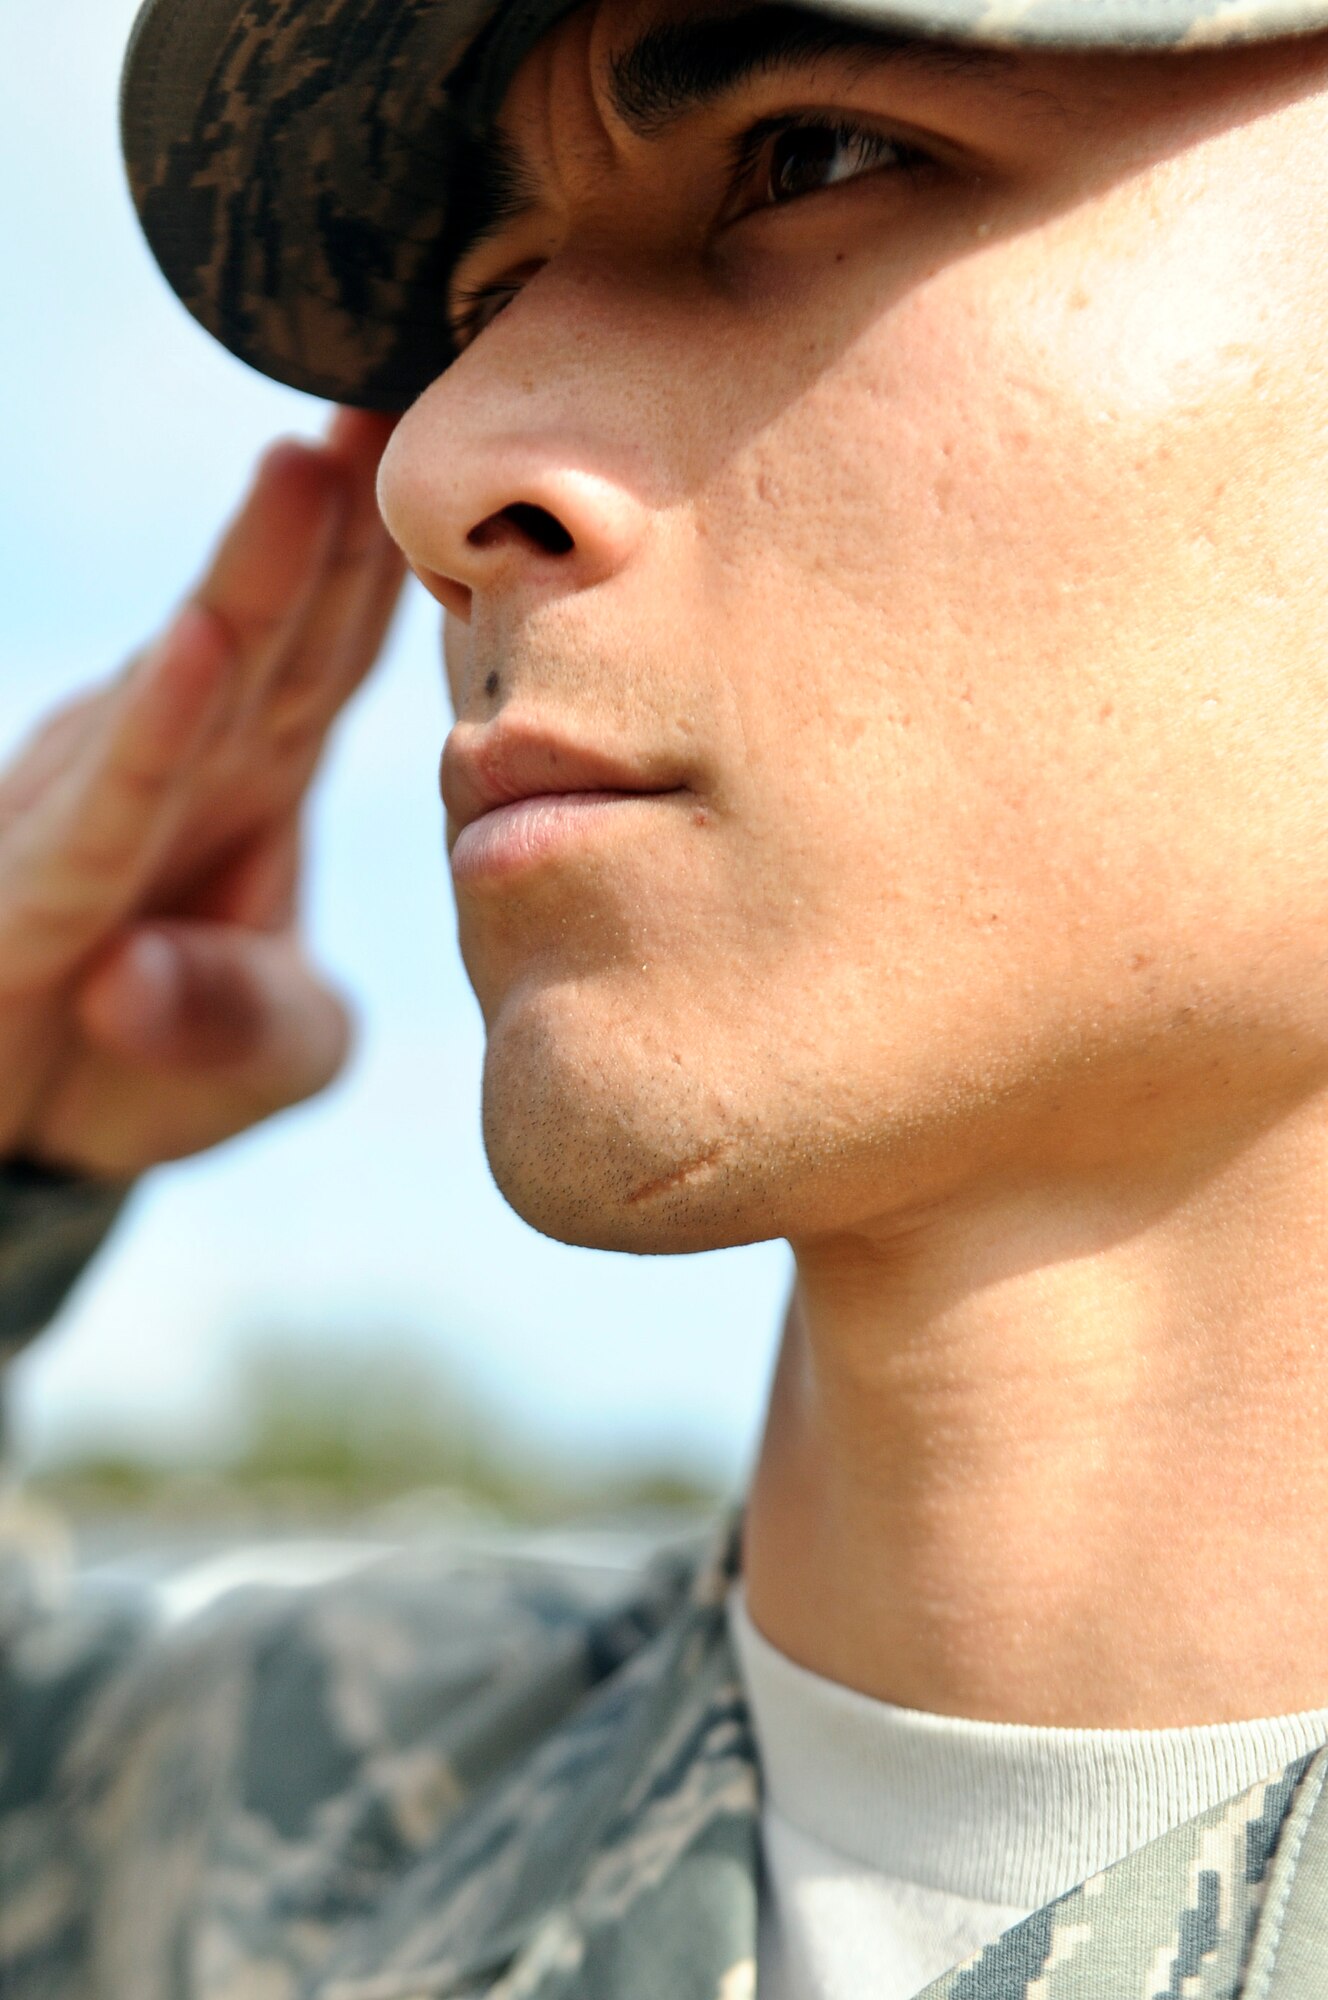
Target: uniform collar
column 621, row 1861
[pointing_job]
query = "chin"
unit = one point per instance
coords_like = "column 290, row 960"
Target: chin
column 598, row 1140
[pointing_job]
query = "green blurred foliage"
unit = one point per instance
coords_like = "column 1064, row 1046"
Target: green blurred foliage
column 329, row 1429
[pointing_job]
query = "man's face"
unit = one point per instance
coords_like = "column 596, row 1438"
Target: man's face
column 899, row 475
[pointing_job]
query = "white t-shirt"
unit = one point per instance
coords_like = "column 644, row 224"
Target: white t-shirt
column 898, row 1843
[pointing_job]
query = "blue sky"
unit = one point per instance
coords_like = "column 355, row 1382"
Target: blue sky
column 368, row 1215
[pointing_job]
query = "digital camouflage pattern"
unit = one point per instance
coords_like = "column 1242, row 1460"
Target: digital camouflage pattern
column 50, row 1225
column 301, row 166
column 441, row 1779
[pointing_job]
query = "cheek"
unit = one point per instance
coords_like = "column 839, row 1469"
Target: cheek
column 1053, row 395
column 1002, row 550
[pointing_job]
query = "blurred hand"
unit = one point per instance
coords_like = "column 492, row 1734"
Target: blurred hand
column 154, row 996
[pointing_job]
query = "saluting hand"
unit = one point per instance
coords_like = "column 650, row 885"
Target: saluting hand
column 154, row 994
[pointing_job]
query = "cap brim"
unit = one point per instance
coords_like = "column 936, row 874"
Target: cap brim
column 297, row 164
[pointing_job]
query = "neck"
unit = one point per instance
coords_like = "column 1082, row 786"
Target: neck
column 1055, row 1455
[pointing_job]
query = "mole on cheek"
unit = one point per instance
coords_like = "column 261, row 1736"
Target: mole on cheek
column 491, row 686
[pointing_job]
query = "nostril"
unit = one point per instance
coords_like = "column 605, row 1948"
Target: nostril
column 533, row 524
column 542, row 527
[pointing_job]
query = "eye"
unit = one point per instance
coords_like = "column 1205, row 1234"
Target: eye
column 473, row 310
column 780, row 160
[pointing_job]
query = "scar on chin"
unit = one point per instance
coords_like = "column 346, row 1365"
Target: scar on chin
column 678, row 1178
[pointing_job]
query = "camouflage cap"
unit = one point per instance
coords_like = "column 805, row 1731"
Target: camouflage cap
column 299, row 165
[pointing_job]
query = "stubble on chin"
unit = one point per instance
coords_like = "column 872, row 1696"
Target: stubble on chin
column 604, row 1147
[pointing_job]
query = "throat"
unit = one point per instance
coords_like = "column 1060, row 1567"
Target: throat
column 1028, row 1473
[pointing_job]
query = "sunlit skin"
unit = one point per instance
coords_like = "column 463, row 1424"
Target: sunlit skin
column 950, row 542
column 900, row 608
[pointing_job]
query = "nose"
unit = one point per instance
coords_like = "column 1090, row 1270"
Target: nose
column 487, row 495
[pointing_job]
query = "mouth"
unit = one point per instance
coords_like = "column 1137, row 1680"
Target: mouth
column 517, row 793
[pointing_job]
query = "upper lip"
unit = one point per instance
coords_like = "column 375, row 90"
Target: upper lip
column 501, row 762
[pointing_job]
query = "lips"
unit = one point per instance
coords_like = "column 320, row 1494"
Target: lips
column 503, row 762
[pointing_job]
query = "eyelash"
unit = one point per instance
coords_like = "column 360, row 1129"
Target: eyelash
column 746, row 152
column 468, row 318
column 471, row 311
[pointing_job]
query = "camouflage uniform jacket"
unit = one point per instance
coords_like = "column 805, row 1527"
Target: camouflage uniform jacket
column 449, row 1780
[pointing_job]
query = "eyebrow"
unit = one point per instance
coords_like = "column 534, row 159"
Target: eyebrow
column 678, row 67
column 498, row 188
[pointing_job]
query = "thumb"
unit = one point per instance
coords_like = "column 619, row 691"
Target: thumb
column 220, row 1003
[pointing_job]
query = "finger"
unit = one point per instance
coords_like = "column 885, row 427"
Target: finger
column 215, row 1026
column 327, row 658
column 49, row 749
column 265, row 566
column 338, row 646
column 73, row 864
column 362, row 433
column 381, row 601
column 269, row 566
column 256, row 886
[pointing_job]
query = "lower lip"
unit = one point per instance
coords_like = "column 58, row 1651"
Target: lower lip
column 512, row 838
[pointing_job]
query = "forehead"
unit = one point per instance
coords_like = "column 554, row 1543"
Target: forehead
column 656, row 60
